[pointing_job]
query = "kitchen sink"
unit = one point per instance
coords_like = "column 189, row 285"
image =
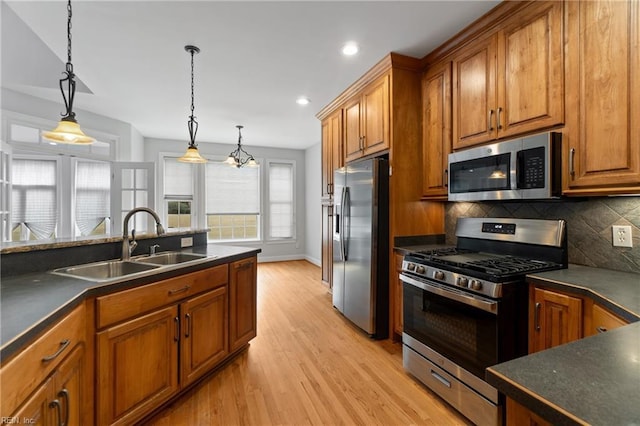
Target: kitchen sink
column 105, row 271
column 169, row 258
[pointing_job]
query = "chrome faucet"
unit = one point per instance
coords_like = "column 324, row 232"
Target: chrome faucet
column 129, row 246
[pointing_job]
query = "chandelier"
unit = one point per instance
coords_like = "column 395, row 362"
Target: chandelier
column 192, row 155
column 68, row 130
column 239, row 157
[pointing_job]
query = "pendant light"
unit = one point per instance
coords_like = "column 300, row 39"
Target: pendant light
column 192, row 155
column 239, row 157
column 68, row 129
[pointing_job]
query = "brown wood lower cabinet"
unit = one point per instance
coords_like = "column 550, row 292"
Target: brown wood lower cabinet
column 555, row 318
column 396, row 295
column 137, row 366
column 242, row 302
column 148, row 358
column 517, row 415
column 45, row 383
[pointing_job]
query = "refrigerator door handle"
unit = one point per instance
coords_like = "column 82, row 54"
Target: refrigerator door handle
column 340, row 224
column 346, row 225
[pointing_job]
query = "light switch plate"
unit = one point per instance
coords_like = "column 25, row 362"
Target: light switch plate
column 622, row 236
column 186, row 242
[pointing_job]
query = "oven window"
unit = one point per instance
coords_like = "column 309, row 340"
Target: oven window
column 481, row 174
column 466, row 335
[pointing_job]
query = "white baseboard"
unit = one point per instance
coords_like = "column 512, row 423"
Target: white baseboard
column 313, row 260
column 280, row 258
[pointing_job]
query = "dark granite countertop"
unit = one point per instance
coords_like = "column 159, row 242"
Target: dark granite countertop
column 408, row 244
column 595, row 380
column 30, row 303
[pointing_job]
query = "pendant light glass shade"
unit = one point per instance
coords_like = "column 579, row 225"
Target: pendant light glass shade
column 68, row 129
column 192, row 155
column 68, row 132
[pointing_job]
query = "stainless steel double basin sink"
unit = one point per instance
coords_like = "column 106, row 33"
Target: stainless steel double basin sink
column 114, row 269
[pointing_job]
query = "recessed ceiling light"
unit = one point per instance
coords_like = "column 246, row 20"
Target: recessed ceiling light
column 350, row 49
column 303, row 100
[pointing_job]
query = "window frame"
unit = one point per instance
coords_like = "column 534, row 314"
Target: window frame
column 260, row 222
column 267, row 203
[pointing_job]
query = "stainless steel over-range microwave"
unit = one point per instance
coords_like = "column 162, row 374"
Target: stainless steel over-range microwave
column 517, row 169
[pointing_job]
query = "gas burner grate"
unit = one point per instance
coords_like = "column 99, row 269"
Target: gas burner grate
column 510, row 265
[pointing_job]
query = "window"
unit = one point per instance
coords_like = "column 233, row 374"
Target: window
column 34, row 199
column 92, row 198
column 233, row 202
column 281, row 203
column 178, row 192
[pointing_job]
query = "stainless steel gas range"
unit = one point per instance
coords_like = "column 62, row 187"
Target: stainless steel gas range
column 465, row 307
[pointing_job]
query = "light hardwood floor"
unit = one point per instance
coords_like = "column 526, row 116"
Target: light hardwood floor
column 308, row 366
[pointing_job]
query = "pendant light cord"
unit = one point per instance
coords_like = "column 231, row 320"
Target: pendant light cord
column 69, row 64
column 192, row 93
column 193, row 124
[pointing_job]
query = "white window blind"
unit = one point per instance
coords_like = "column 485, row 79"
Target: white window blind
column 93, row 186
column 34, row 197
column 178, row 179
column 281, row 218
column 232, row 190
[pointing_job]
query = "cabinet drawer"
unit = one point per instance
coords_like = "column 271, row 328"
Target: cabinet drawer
column 119, row 306
column 24, row 373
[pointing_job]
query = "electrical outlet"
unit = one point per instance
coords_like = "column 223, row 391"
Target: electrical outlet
column 622, row 236
column 186, row 242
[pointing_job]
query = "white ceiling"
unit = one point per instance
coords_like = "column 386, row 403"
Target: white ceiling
column 256, row 58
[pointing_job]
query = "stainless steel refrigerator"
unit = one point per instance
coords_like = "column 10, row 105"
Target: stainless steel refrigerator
column 361, row 245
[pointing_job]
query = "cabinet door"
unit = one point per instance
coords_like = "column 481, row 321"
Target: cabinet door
column 205, row 337
column 375, row 100
column 603, row 99
column 530, row 71
column 327, row 244
column 352, row 131
column 242, row 302
column 556, row 319
column 137, row 366
column 517, row 415
column 397, row 295
column 474, row 94
column 602, row 320
column 436, row 130
column 327, row 172
column 337, row 153
column 37, row 409
column 69, row 388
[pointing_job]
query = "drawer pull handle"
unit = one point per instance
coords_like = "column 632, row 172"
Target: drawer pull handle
column 56, row 404
column 179, row 290
column 441, row 379
column 601, row 329
column 63, row 346
column 64, row 393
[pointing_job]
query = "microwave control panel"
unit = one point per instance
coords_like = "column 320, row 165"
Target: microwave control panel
column 531, row 163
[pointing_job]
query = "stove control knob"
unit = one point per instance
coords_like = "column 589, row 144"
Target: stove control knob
column 462, row 281
column 475, row 285
column 438, row 275
column 420, row 269
column 411, row 266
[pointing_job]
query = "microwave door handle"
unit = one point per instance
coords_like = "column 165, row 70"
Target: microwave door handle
column 520, row 169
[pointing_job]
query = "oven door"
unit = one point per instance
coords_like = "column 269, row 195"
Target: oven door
column 460, row 326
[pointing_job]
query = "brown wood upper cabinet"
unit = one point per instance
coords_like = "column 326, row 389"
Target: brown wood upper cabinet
column 510, row 82
column 602, row 136
column 366, row 121
column 332, row 155
column 436, row 130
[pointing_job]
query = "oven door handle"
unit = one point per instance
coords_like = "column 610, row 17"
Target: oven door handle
column 486, row 305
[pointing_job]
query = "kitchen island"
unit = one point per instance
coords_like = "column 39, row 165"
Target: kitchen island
column 594, row 380
column 112, row 350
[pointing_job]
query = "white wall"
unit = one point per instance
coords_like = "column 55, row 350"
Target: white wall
column 271, row 251
column 313, row 247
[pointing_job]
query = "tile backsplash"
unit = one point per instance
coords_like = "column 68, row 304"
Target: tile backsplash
column 589, row 221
